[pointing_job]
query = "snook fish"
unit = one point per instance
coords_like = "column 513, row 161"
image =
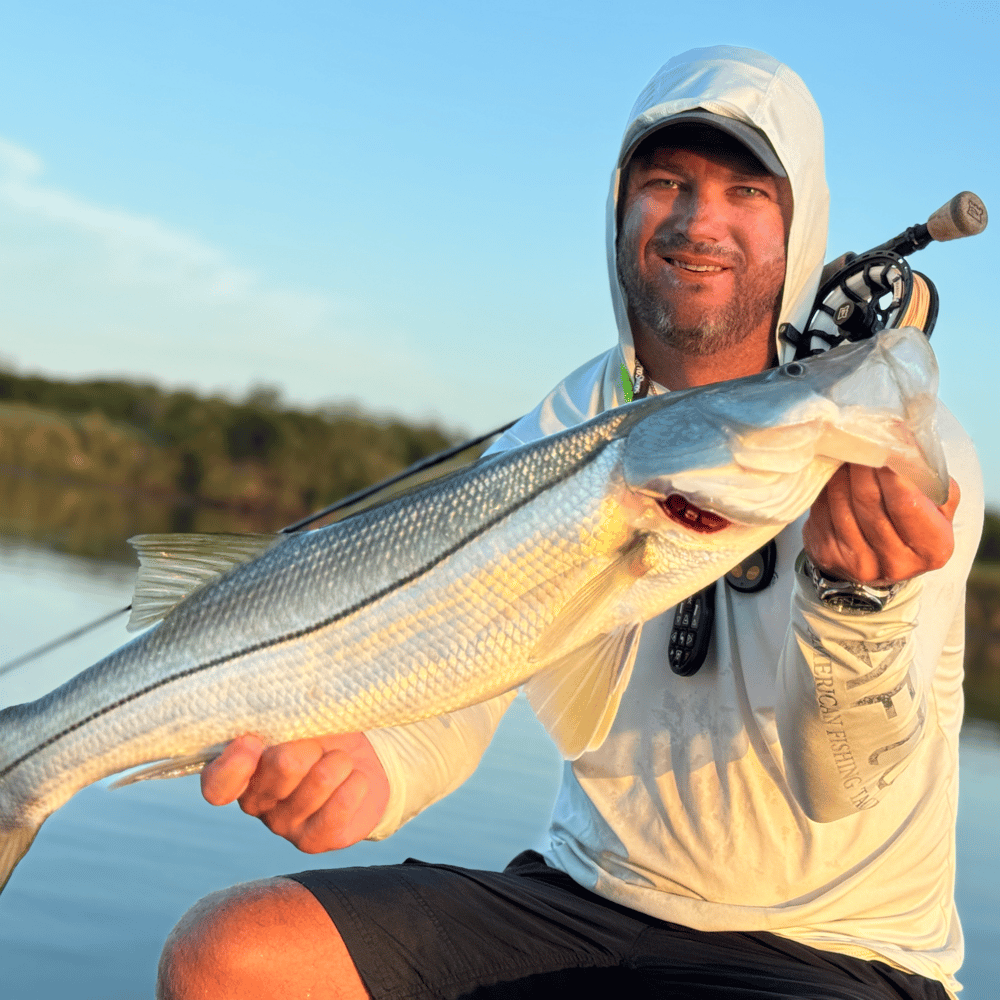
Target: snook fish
column 533, row 567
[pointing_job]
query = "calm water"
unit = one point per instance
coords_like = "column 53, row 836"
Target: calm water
column 86, row 912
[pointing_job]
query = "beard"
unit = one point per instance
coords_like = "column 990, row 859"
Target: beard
column 755, row 297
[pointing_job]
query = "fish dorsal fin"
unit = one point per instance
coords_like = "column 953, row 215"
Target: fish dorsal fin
column 576, row 698
column 172, row 567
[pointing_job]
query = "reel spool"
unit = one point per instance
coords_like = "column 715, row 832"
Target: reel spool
column 865, row 293
column 861, row 294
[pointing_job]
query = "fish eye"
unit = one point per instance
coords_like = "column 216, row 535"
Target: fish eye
column 794, row 369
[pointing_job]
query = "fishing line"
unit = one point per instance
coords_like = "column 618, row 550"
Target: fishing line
column 55, row 643
column 349, row 501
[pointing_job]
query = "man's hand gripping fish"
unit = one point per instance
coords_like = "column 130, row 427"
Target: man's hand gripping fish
column 534, row 567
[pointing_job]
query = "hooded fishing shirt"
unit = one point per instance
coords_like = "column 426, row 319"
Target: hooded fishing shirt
column 805, row 780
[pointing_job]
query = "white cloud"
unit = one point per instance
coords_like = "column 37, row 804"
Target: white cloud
column 91, row 288
column 17, row 163
column 138, row 250
column 95, row 290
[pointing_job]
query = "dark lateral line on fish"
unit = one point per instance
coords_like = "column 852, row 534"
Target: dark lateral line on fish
column 311, row 628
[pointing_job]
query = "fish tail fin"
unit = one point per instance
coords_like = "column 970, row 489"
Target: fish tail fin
column 14, row 844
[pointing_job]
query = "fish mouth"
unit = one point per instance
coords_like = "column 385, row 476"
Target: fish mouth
column 913, row 452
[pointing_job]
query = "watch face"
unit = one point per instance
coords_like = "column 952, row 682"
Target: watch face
column 853, row 603
column 851, row 598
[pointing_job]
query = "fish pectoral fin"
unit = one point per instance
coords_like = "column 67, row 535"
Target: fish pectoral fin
column 592, row 601
column 576, row 698
column 172, row 567
column 174, row 767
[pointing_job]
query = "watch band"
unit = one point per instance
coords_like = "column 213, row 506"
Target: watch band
column 845, row 596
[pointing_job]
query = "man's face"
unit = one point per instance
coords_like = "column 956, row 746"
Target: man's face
column 701, row 245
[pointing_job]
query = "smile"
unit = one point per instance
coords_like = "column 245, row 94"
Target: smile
column 693, row 267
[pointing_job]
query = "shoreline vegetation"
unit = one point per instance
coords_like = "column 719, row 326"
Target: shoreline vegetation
column 120, row 456
column 86, row 465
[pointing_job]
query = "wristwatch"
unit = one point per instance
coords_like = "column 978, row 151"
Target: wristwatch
column 845, row 596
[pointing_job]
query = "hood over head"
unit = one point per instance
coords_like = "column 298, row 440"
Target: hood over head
column 775, row 116
column 755, row 92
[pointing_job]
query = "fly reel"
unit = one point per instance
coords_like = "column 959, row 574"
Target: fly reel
column 861, row 294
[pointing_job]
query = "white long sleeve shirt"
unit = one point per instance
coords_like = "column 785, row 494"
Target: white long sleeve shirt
column 805, row 780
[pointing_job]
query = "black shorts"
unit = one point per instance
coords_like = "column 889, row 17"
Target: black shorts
column 419, row 930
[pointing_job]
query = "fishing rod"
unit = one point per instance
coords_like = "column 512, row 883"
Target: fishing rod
column 859, row 295
column 425, row 463
column 351, row 500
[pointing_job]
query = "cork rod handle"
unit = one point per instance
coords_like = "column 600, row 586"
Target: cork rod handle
column 964, row 215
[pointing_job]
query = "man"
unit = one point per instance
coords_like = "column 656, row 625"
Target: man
column 781, row 824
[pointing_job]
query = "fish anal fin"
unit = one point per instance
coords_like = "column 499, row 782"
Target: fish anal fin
column 576, row 698
column 172, row 567
column 14, row 844
column 174, row 767
column 592, row 601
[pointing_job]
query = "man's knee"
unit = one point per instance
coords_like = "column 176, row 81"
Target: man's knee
column 267, row 938
column 220, row 939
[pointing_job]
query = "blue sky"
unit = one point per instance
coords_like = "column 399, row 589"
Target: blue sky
column 402, row 207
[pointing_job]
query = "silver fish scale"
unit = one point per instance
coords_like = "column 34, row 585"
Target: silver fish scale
column 466, row 631
column 293, row 634
column 315, row 576
column 459, row 633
